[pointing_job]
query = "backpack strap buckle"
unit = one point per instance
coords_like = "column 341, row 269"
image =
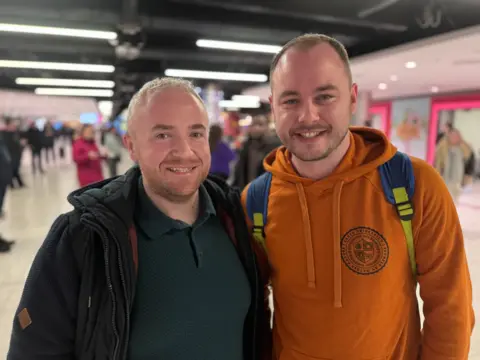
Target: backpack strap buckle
column 405, row 210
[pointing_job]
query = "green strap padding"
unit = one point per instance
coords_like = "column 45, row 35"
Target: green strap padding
column 405, row 210
column 258, row 232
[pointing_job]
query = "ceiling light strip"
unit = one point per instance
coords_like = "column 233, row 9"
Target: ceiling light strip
column 58, row 31
column 56, row 66
column 238, row 46
column 214, row 75
column 108, row 84
column 74, row 92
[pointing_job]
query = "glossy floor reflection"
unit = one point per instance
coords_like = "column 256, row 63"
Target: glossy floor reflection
column 31, row 211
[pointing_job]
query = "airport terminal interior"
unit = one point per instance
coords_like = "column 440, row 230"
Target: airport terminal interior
column 69, row 68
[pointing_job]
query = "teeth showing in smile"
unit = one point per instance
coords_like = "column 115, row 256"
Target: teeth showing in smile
column 181, row 170
column 310, row 134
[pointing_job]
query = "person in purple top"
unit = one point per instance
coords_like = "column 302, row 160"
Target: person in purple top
column 221, row 153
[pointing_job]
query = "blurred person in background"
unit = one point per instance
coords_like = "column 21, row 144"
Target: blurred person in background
column 258, row 145
column 154, row 264
column 5, row 179
column 451, row 155
column 222, row 155
column 87, row 157
column 114, row 147
column 343, row 275
column 49, row 135
column 35, row 141
column 15, row 145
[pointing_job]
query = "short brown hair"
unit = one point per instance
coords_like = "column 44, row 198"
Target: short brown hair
column 308, row 41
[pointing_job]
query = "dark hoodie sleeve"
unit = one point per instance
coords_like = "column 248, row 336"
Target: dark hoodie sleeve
column 44, row 324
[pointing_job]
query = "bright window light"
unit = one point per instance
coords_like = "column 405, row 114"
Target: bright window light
column 56, row 66
column 45, row 30
column 411, row 65
column 214, row 75
column 108, row 84
column 238, row 104
column 105, row 107
column 74, row 92
column 238, row 46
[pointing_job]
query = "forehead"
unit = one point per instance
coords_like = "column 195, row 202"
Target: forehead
column 175, row 107
column 315, row 66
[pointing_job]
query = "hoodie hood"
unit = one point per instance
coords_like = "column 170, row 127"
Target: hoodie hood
column 368, row 150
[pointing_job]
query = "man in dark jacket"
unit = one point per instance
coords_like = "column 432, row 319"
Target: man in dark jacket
column 35, row 141
column 5, row 179
column 154, row 264
column 15, row 147
column 258, row 145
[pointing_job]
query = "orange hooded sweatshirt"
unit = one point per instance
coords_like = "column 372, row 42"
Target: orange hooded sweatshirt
column 342, row 283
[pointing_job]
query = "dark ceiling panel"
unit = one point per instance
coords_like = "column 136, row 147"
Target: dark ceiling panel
column 168, row 30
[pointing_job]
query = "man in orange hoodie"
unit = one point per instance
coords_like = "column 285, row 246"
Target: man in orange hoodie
column 342, row 283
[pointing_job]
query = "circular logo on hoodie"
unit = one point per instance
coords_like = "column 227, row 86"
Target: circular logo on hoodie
column 364, row 251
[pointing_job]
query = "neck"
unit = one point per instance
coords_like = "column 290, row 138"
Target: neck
column 185, row 210
column 320, row 169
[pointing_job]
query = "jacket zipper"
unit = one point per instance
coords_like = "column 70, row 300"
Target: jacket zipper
column 109, row 284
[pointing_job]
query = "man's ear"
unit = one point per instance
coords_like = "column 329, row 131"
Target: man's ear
column 129, row 144
column 354, row 97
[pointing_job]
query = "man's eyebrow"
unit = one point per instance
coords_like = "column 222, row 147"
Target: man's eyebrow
column 288, row 93
column 198, row 127
column 162, row 127
column 326, row 88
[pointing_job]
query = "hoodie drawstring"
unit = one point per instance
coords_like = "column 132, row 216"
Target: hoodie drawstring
column 307, row 237
column 337, row 256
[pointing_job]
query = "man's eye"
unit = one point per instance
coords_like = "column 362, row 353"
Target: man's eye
column 325, row 97
column 197, row 134
column 162, row 136
column 290, row 101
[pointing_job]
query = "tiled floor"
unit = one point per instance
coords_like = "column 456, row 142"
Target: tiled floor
column 31, row 212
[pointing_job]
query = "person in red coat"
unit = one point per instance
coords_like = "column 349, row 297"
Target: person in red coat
column 87, row 157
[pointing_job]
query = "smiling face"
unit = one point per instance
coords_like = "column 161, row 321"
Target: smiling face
column 312, row 101
column 168, row 138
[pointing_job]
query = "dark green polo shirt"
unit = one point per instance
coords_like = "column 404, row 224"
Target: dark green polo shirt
column 192, row 292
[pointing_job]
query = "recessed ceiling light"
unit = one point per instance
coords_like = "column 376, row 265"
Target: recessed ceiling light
column 411, row 65
column 382, row 86
column 394, row 78
column 434, row 89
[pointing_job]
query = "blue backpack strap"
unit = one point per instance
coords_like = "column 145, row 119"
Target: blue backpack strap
column 398, row 182
column 257, row 205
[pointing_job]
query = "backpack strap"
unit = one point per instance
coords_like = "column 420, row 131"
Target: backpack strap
column 257, row 205
column 398, row 182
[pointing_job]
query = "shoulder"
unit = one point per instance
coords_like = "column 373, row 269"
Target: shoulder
column 430, row 188
column 67, row 235
column 424, row 172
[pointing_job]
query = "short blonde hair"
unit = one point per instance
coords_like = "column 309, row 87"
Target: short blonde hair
column 157, row 85
column 306, row 42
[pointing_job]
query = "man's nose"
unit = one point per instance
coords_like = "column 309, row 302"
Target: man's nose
column 309, row 113
column 181, row 147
